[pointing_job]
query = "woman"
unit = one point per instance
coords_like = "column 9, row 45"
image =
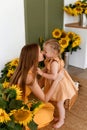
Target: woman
column 26, row 77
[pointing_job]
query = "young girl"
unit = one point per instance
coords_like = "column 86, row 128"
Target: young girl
column 65, row 89
column 26, row 77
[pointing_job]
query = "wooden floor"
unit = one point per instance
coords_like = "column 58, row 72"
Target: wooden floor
column 78, row 72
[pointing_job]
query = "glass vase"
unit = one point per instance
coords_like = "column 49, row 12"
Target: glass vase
column 66, row 59
column 83, row 20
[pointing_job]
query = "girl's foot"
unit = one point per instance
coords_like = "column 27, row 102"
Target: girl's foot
column 58, row 124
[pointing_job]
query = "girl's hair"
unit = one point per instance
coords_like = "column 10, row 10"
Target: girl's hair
column 28, row 59
column 54, row 45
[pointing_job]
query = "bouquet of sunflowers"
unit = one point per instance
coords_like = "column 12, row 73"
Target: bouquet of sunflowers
column 8, row 71
column 14, row 113
column 76, row 8
column 69, row 41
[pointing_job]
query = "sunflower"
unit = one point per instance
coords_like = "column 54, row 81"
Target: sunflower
column 77, row 38
column 18, row 91
column 75, row 43
column 5, row 84
column 10, row 73
column 64, row 42
column 62, row 50
column 71, row 35
column 78, row 3
column 74, row 12
column 14, row 62
column 68, row 10
column 56, row 33
column 22, row 116
column 64, row 34
column 85, row 10
column 4, row 117
column 79, row 10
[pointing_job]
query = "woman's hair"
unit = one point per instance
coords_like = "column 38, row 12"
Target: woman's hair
column 28, row 59
column 54, row 45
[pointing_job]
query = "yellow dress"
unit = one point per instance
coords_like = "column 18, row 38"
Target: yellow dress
column 66, row 89
column 44, row 115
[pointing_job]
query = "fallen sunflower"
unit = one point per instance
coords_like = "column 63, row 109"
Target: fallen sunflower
column 22, row 116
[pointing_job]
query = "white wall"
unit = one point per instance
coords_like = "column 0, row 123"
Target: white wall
column 79, row 58
column 12, row 29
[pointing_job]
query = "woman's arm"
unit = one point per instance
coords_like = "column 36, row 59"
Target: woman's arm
column 37, row 91
column 53, row 74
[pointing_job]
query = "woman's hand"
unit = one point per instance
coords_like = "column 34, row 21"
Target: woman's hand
column 39, row 71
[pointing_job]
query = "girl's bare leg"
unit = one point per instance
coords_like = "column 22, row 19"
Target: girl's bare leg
column 61, row 109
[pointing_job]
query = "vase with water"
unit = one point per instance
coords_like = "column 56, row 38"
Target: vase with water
column 83, row 20
column 66, row 59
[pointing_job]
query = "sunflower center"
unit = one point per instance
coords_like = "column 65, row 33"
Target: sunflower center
column 21, row 115
column 56, row 33
column 63, row 42
column 2, row 114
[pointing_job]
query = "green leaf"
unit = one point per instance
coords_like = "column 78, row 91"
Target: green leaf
column 3, row 129
column 10, row 124
column 10, row 93
column 1, row 90
column 34, row 105
column 3, row 103
column 15, row 104
column 1, row 86
column 18, row 127
column 32, row 125
column 3, row 126
column 13, row 126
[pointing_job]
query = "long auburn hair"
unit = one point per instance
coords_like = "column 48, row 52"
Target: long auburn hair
column 28, row 59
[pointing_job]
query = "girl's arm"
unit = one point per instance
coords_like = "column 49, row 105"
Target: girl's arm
column 53, row 74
